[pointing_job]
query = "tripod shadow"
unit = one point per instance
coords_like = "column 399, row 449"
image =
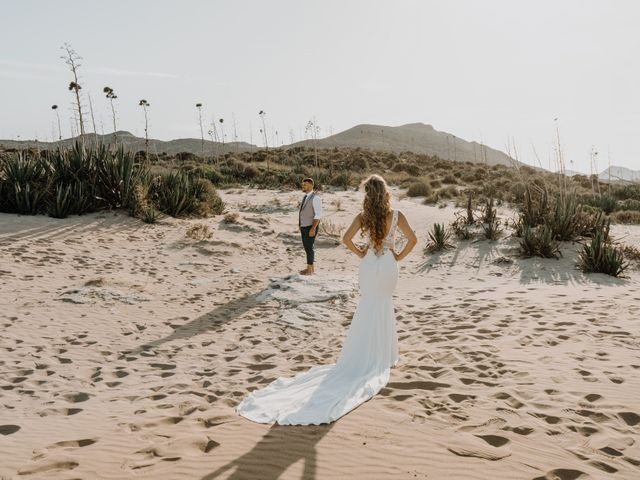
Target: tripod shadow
column 212, row 320
column 281, row 447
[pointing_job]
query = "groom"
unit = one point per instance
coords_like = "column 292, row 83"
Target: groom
column 308, row 220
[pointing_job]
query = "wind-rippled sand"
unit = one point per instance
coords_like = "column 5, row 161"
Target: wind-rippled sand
column 125, row 348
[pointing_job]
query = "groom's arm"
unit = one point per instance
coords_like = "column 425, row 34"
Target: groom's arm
column 317, row 214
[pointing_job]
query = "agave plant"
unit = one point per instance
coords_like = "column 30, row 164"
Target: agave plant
column 492, row 229
column 175, row 194
column 439, row 238
column 599, row 256
column 564, row 220
column 539, row 242
column 118, row 175
column 24, row 184
column 61, row 204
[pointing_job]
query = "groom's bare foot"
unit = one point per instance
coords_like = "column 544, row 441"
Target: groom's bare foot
column 307, row 271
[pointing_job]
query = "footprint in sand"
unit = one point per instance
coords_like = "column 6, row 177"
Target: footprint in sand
column 562, row 474
column 8, row 429
column 489, row 447
column 49, row 466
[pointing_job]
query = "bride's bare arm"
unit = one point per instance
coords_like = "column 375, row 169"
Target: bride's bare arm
column 347, row 238
column 406, row 229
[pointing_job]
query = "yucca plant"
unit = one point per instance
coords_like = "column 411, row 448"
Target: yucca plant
column 599, row 256
column 118, row 175
column 61, row 204
column 24, row 184
column 565, row 218
column 439, row 238
column 534, row 212
column 460, row 227
column 28, row 200
column 492, row 229
column 539, row 242
column 470, row 220
column 175, row 193
column 488, row 212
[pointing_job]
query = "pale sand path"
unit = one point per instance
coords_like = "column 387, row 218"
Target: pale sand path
column 126, row 346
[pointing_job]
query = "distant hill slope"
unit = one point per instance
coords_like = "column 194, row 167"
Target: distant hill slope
column 414, row 137
column 620, row 174
column 133, row 143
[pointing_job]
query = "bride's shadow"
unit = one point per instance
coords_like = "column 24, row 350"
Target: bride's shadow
column 281, row 447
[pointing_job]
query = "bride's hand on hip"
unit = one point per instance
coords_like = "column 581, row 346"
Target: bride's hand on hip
column 364, row 251
column 396, row 255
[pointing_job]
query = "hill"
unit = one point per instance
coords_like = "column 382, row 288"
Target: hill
column 133, row 143
column 620, row 174
column 414, row 137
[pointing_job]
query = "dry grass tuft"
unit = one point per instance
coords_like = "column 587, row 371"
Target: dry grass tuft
column 199, row 232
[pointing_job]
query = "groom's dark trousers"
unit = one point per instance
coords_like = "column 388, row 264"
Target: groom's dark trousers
column 307, row 242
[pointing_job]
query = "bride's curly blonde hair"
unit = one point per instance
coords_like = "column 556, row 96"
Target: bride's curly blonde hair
column 375, row 208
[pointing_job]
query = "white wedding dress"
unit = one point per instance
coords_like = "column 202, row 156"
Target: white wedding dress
column 324, row 393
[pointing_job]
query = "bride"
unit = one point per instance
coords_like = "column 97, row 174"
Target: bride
column 324, row 393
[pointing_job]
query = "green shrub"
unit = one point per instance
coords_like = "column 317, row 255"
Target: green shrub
column 118, row 175
column 603, row 202
column 599, row 256
column 342, row 179
column 629, row 204
column 450, row 180
column 539, row 242
column 439, row 238
column 492, row 229
column 627, row 216
column 24, row 179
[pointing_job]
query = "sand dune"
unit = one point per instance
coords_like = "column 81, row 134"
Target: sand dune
column 126, row 347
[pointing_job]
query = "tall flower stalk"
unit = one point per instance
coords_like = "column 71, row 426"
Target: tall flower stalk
column 111, row 96
column 199, row 107
column 55, row 109
column 72, row 59
column 145, row 105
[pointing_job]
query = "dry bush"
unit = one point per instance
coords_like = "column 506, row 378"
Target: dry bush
column 631, row 252
column 626, row 216
column 450, row 180
column 231, row 217
column 331, row 229
column 419, row 189
column 448, row 192
column 199, row 232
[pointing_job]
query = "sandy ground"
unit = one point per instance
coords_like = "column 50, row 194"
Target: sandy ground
column 125, row 348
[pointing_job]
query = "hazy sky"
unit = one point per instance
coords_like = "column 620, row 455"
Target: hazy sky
column 485, row 70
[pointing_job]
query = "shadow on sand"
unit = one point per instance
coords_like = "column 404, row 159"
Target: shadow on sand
column 212, row 320
column 281, row 447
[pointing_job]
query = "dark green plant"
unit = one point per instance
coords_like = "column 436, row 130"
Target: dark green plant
column 62, row 203
column 461, row 228
column 488, row 212
column 118, row 174
column 470, row 220
column 24, row 179
column 604, row 202
column 565, row 218
column 599, row 256
column 492, row 229
column 439, row 238
column 538, row 242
